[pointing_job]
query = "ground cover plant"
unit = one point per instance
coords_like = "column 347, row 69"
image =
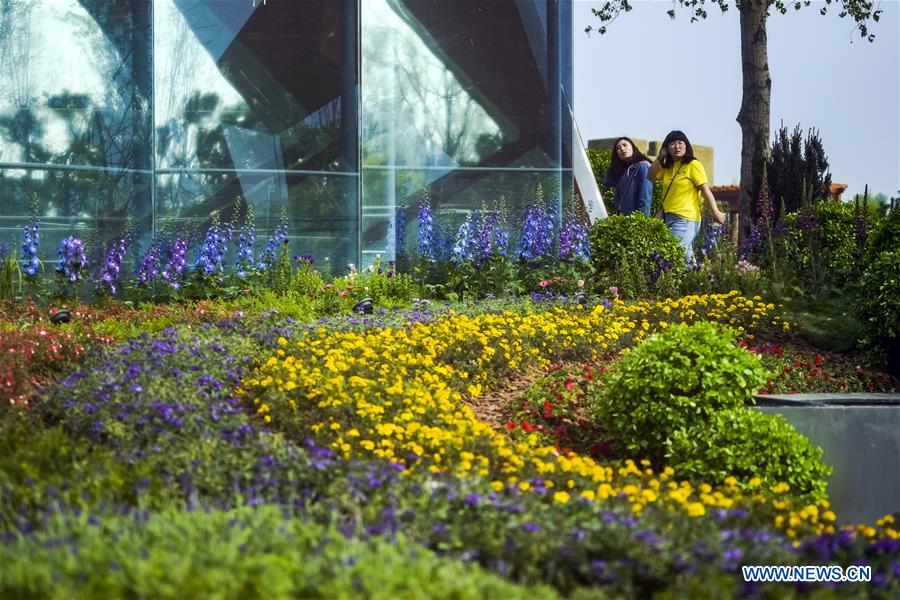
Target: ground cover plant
column 181, row 428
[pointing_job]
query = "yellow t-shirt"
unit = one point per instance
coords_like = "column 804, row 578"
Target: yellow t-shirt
column 684, row 197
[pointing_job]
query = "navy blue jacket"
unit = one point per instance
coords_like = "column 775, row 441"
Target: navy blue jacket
column 633, row 190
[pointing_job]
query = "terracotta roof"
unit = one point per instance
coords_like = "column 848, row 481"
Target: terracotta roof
column 836, row 188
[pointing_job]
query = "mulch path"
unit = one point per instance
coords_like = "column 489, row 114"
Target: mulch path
column 489, row 406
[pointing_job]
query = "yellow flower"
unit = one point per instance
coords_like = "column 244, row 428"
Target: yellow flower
column 561, row 497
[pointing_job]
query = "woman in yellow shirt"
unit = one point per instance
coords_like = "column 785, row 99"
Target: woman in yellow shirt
column 684, row 183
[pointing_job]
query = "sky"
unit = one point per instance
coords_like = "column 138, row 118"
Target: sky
column 823, row 76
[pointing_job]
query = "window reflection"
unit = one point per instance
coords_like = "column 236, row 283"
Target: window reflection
column 74, row 95
column 252, row 86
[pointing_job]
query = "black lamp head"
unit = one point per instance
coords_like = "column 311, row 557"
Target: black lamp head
column 579, row 299
column 364, row 306
column 60, row 317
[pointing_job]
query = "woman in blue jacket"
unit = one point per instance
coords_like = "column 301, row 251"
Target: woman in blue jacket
column 627, row 173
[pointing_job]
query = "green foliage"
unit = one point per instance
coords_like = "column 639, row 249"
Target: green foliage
column 675, row 380
column 745, row 443
column 243, row 553
column 797, row 170
column 386, row 286
column 306, row 280
column 280, row 275
column 828, row 323
column 722, row 271
column 600, row 159
column 10, row 278
column 497, row 276
column 621, row 248
column 823, row 245
column 879, row 297
column 884, row 236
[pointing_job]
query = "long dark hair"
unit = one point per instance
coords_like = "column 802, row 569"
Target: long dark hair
column 618, row 166
column 674, row 136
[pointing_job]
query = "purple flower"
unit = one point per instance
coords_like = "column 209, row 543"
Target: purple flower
column 243, row 260
column 31, row 237
column 212, row 253
column 537, row 235
column 275, row 241
column 71, row 259
column 573, row 242
column 530, row 527
column 148, row 270
column 175, row 270
column 425, row 241
column 112, row 265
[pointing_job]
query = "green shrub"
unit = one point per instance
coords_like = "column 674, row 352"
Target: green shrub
column 721, row 272
column 884, row 236
column 824, row 244
column 627, row 248
column 675, row 380
column 745, row 443
column 244, row 553
column 879, row 294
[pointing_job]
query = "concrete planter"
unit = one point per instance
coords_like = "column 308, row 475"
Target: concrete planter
column 860, row 438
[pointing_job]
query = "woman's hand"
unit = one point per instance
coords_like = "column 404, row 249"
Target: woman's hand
column 719, row 216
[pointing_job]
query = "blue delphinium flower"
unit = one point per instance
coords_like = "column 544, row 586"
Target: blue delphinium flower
column 491, row 239
column 425, row 242
column 466, row 239
column 71, row 259
column 4, row 249
column 400, row 232
column 537, row 235
column 148, row 269
column 212, row 253
column 243, row 260
column 274, row 243
column 31, row 238
column 174, row 272
column 573, row 242
column 112, row 266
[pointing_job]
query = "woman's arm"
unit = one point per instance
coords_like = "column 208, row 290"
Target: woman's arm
column 645, row 191
column 717, row 214
column 654, row 168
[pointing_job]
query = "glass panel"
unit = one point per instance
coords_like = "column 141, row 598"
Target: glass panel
column 455, row 97
column 74, row 83
column 391, row 230
column 92, row 205
column 433, row 94
column 322, row 210
column 248, row 85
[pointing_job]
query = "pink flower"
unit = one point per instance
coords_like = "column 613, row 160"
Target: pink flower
column 545, row 283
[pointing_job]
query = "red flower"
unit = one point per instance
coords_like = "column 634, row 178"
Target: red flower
column 818, row 360
column 570, row 385
column 778, row 350
column 528, row 427
column 548, row 409
column 510, row 426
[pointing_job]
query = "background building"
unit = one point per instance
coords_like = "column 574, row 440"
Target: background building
column 342, row 112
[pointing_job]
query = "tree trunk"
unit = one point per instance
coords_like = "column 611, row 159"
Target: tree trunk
column 754, row 114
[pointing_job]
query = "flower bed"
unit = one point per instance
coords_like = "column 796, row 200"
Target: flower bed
column 364, row 429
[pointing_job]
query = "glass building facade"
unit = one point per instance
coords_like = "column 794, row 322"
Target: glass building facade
column 343, row 114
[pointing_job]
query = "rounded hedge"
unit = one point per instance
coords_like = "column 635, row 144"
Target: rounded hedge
column 675, row 380
column 619, row 243
column 745, row 443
